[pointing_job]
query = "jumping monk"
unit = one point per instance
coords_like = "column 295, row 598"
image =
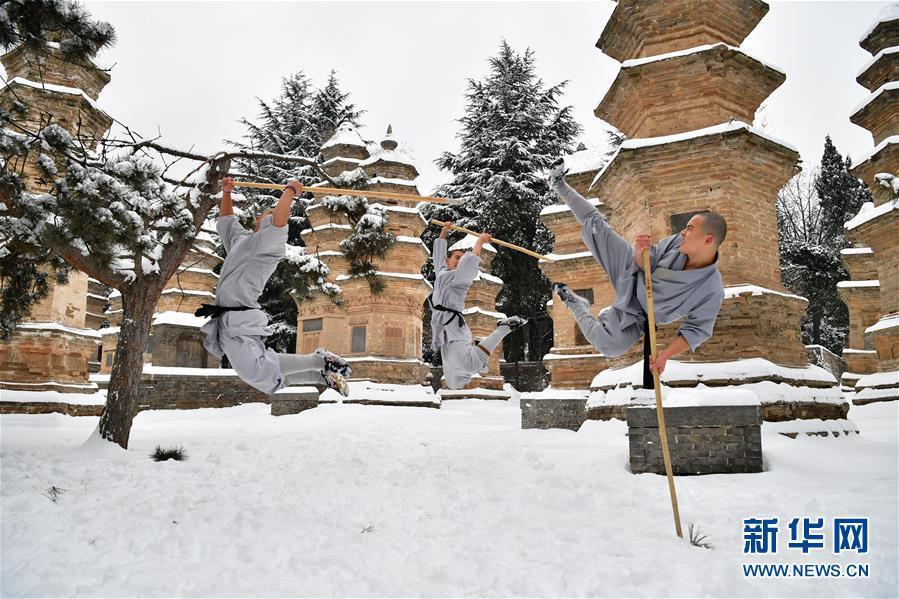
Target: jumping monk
column 238, row 325
column 455, row 273
column 685, row 277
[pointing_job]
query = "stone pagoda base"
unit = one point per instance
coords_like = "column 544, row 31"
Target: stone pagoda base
column 48, row 357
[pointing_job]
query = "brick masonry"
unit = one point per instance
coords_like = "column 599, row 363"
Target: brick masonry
column 701, row 440
column 546, row 413
column 293, row 401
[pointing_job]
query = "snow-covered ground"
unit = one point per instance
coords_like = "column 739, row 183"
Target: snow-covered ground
column 351, row 500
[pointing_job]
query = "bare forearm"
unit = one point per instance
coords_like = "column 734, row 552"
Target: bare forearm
column 281, row 213
column 678, row 346
column 227, row 208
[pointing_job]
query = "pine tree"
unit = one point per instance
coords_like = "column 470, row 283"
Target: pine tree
column 295, row 123
column 811, row 211
column 110, row 212
column 513, row 128
column 841, row 194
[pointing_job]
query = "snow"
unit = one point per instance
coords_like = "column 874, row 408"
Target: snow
column 812, row 425
column 489, row 313
column 55, row 326
column 347, row 135
column 290, row 390
column 488, row 277
column 574, row 256
column 745, row 369
column 179, row 318
column 398, row 275
column 81, row 399
column 558, row 208
column 183, row 371
column 634, row 62
column 875, row 58
column 453, row 394
column 109, row 330
column 396, row 156
column 384, row 393
column 888, row 321
column 732, row 125
column 386, row 180
column 763, row 391
column 187, row 292
column 861, row 283
column 584, row 161
column 352, row 500
column 326, row 227
column 340, row 159
column 859, row 351
column 74, row 91
column 869, row 212
column 888, row 86
column 893, row 139
column 888, row 13
column 853, row 251
column 889, row 181
column 467, row 243
column 737, row 290
column 569, row 356
column 876, row 394
column 879, row 379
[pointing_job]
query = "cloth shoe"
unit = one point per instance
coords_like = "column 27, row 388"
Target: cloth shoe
column 567, row 295
column 557, row 172
column 338, row 383
column 334, row 363
column 513, row 322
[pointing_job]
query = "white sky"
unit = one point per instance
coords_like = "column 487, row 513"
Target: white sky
column 192, row 69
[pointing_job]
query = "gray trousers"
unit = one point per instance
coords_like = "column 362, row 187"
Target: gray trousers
column 614, row 331
column 462, row 360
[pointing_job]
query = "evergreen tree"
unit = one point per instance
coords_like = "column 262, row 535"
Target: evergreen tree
column 513, row 128
column 841, row 194
column 295, row 123
column 811, row 211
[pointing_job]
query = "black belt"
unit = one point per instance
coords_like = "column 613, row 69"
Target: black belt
column 216, row 311
column 454, row 314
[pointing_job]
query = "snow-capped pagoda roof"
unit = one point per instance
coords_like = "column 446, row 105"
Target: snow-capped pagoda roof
column 888, row 13
column 584, row 161
column 467, row 242
column 346, row 135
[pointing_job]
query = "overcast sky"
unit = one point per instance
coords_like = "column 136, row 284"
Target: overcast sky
column 192, row 69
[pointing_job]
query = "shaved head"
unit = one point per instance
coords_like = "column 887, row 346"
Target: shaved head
column 714, row 224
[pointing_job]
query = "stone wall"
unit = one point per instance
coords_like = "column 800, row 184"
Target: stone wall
column 549, row 412
column 701, row 440
column 525, row 376
column 826, row 359
column 177, row 391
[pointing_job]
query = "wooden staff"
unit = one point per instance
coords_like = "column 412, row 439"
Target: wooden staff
column 387, row 195
column 666, row 456
column 511, row 246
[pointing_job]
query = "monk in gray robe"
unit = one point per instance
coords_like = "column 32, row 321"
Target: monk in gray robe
column 454, row 274
column 238, row 326
column 685, row 279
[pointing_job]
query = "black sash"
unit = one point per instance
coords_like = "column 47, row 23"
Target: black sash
column 216, row 311
column 454, row 314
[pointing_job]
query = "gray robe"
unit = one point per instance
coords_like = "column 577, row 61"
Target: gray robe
column 251, row 260
column 694, row 294
column 461, row 359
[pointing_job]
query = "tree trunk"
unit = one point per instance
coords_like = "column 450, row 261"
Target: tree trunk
column 816, row 328
column 138, row 304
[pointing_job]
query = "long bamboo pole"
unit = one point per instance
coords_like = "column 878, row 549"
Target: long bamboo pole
column 663, row 434
column 387, row 195
column 511, row 246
